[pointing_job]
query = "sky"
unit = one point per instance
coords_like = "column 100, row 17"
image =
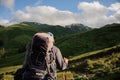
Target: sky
column 92, row 13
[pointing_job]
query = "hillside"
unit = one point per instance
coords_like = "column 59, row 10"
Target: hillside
column 13, row 39
column 98, row 65
column 16, row 37
column 93, row 55
column 95, row 39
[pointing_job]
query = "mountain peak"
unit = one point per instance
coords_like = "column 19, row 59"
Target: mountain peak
column 80, row 27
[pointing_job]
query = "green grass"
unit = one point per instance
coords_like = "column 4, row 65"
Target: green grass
column 9, row 69
column 89, row 41
column 65, row 75
column 12, row 60
column 91, row 53
column 6, row 73
column 100, row 68
column 16, row 37
column 7, row 77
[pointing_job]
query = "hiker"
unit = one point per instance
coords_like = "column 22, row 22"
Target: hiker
column 43, row 58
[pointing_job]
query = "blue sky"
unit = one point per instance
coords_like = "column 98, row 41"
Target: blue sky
column 60, row 12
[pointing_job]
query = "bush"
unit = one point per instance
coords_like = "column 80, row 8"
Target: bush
column 82, row 77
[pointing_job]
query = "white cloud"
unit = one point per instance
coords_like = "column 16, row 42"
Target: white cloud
column 4, row 22
column 114, row 7
column 117, row 15
column 92, row 14
column 95, row 14
column 45, row 14
column 93, row 8
column 8, row 3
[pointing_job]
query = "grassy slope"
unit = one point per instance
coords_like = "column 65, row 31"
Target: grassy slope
column 12, row 60
column 102, row 67
column 96, row 39
column 70, row 45
column 17, row 36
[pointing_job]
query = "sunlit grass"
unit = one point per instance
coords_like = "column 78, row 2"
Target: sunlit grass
column 7, row 77
column 5, row 70
column 90, row 53
column 102, row 66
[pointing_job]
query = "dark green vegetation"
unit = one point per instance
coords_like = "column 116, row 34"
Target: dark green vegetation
column 96, row 39
column 93, row 55
column 99, row 65
column 14, row 38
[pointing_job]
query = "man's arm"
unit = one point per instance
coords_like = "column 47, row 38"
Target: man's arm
column 61, row 62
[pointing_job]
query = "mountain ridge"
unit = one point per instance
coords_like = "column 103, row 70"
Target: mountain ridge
column 93, row 54
column 17, row 36
column 95, row 39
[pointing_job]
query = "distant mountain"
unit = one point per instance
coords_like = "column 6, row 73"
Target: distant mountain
column 16, row 37
column 57, row 29
column 78, row 27
column 95, row 39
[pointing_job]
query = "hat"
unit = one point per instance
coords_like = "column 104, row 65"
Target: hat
column 51, row 34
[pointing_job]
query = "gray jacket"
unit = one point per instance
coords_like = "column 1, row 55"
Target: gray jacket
column 61, row 64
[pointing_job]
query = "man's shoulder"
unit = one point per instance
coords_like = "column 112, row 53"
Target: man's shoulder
column 55, row 48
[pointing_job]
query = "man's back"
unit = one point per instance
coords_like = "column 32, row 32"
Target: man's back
column 52, row 58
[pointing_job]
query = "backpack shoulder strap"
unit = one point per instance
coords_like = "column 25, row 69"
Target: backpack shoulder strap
column 46, row 61
column 48, row 65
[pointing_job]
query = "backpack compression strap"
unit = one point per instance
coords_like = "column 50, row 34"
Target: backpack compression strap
column 48, row 65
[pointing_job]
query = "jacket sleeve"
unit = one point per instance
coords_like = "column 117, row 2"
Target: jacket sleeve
column 61, row 64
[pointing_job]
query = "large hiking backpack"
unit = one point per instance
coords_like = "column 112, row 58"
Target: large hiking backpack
column 41, row 58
